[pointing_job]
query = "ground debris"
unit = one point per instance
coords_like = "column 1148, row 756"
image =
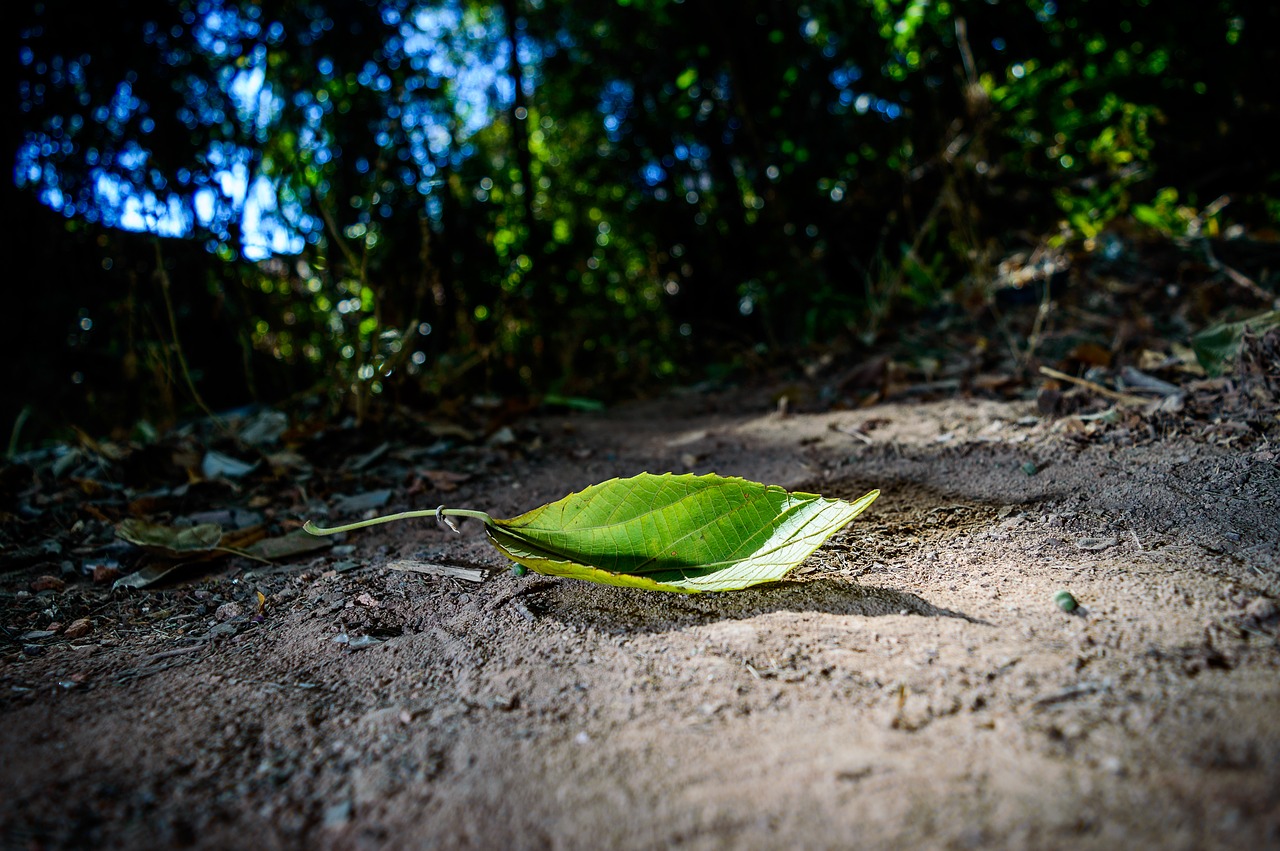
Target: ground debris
column 273, row 698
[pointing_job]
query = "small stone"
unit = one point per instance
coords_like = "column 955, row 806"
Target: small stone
column 1113, row 765
column 228, row 611
column 338, row 814
column 103, row 573
column 224, row 629
column 1066, row 601
column 78, row 628
column 1261, row 610
column 1030, row 468
column 502, row 437
column 47, row 583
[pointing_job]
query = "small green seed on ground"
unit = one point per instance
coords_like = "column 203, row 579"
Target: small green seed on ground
column 1066, row 601
column 1030, row 468
column 519, row 570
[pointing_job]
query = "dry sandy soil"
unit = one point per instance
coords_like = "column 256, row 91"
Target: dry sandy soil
column 915, row 686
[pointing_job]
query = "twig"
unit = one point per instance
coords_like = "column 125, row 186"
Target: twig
column 966, row 53
column 469, row 574
column 18, row 422
column 179, row 651
column 1196, row 231
column 1042, row 313
column 352, row 261
column 1070, row 693
column 1126, row 398
column 235, row 551
column 1037, row 327
column 852, row 432
column 163, row 277
column 1237, row 278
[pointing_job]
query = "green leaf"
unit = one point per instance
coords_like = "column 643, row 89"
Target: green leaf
column 1218, row 344
column 665, row 533
column 674, row 533
column 573, row 403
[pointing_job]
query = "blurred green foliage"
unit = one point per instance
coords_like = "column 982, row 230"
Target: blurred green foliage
column 651, row 185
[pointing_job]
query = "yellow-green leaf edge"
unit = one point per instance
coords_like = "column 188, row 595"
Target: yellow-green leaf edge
column 816, row 518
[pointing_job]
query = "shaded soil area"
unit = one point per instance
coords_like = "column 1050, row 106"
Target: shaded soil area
column 914, row 685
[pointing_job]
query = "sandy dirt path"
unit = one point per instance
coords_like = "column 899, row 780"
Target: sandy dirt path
column 915, row 686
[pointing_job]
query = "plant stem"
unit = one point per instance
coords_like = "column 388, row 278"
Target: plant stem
column 163, row 275
column 18, row 423
column 404, row 515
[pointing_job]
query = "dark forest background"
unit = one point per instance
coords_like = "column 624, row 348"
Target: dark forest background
column 386, row 204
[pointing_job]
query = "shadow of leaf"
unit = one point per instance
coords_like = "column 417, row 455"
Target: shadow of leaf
column 628, row 611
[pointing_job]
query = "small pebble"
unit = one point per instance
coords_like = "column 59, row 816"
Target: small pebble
column 47, row 583
column 519, row 570
column 1030, row 468
column 337, row 814
column 103, row 573
column 1065, row 601
column 224, row 630
column 228, row 611
column 78, row 628
column 1261, row 610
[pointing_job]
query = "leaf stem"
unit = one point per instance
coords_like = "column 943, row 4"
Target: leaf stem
column 404, row 515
